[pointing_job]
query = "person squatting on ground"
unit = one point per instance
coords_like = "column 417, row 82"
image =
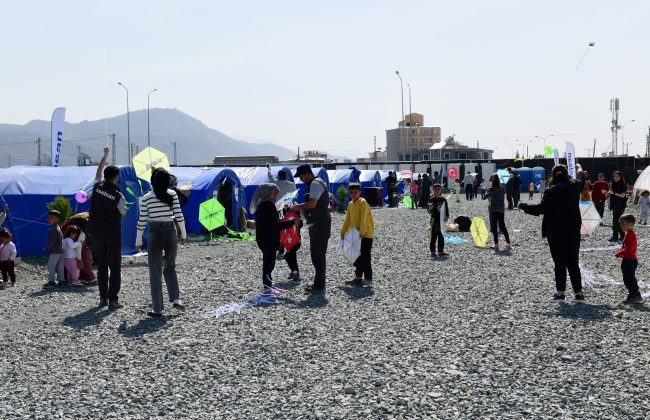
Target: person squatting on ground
column 644, row 207
column 160, row 208
column 497, row 208
column 105, row 224
column 319, row 223
column 629, row 262
column 71, row 246
column 8, row 255
column 359, row 216
column 617, row 203
column 599, row 194
column 54, row 248
column 435, row 207
column 561, row 225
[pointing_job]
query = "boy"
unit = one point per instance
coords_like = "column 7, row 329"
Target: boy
column 7, row 257
column 435, row 207
column 629, row 263
column 531, row 190
column 359, row 216
column 55, row 249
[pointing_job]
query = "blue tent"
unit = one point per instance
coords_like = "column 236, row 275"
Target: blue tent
column 203, row 184
column 342, row 178
column 28, row 190
column 302, row 188
column 369, row 178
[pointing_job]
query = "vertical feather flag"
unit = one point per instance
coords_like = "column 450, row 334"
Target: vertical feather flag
column 58, row 118
column 571, row 159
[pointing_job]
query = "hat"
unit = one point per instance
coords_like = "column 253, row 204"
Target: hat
column 302, row 170
column 54, row 213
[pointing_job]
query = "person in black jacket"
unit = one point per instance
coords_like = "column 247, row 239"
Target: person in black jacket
column 561, row 228
column 268, row 227
column 510, row 188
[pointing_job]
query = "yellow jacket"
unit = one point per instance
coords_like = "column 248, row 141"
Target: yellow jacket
column 359, row 217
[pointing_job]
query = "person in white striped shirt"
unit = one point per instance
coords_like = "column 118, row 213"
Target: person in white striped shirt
column 160, row 208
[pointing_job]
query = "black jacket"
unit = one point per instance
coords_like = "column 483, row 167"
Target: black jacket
column 268, row 226
column 561, row 209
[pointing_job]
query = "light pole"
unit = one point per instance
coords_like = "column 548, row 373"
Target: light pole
column 623, row 134
column 402, row 87
column 128, row 125
column 544, row 138
column 401, row 129
column 148, row 130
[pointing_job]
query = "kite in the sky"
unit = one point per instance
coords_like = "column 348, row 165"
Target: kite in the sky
column 591, row 44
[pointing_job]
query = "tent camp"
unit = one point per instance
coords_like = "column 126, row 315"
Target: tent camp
column 302, row 188
column 28, row 190
column 202, row 184
column 253, row 177
column 342, row 178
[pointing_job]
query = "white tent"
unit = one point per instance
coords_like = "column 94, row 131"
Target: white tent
column 642, row 182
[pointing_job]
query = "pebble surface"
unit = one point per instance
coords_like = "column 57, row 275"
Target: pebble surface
column 471, row 335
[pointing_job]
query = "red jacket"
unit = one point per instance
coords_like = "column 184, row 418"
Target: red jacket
column 628, row 251
column 597, row 191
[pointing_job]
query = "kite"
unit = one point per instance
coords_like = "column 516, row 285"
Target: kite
column 591, row 44
column 479, row 232
column 288, row 199
column 290, row 237
column 548, row 150
column 148, row 159
column 212, row 214
column 590, row 218
column 350, row 246
column 260, row 296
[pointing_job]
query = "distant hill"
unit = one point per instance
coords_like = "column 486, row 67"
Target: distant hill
column 196, row 143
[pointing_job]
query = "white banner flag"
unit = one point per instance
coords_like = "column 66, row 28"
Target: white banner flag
column 556, row 157
column 58, row 118
column 571, row 159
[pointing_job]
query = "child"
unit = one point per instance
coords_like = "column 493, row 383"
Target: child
column 435, row 207
column 531, row 190
column 359, row 216
column 291, row 255
column 629, row 263
column 644, row 206
column 72, row 260
column 7, row 257
column 54, row 248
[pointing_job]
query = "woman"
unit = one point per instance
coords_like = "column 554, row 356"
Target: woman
column 496, row 194
column 415, row 193
column 268, row 227
column 617, row 202
column 425, row 191
column 585, row 194
column 160, row 208
column 560, row 206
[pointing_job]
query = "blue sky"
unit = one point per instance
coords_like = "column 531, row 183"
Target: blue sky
column 321, row 74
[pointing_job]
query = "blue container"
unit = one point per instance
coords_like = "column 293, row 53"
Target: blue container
column 538, row 175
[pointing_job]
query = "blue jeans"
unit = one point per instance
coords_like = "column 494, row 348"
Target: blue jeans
column 162, row 237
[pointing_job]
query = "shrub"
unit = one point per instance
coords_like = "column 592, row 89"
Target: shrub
column 341, row 199
column 62, row 205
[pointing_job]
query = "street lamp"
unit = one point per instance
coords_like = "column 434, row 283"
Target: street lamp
column 544, row 138
column 148, row 130
column 128, row 125
column 402, row 89
column 401, row 129
column 623, row 134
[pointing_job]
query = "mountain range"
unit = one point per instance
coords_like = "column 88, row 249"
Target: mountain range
column 196, row 144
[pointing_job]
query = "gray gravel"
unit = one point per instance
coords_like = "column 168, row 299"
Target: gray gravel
column 473, row 335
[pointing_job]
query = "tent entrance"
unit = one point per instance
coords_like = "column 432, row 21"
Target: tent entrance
column 224, row 194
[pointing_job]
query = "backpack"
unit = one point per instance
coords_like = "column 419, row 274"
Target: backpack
column 463, row 223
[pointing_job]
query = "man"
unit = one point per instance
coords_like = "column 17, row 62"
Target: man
column 516, row 188
column 319, row 223
column 105, row 223
column 509, row 189
column 391, row 183
column 599, row 194
column 468, row 183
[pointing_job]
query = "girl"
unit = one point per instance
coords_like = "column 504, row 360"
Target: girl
column 496, row 194
column 415, row 196
column 7, row 256
column 585, row 195
column 644, row 206
column 617, row 202
column 291, row 255
column 561, row 228
column 71, row 263
column 268, row 227
column 160, row 208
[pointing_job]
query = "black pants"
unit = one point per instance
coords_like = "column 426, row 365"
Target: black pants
column 600, row 206
column 509, row 199
column 617, row 232
column 469, row 192
column 268, row 264
column 391, row 197
column 363, row 264
column 565, row 251
column 498, row 223
column 530, row 195
column 8, row 271
column 436, row 236
column 319, row 235
column 108, row 255
column 628, row 267
column 291, row 257
column 515, row 197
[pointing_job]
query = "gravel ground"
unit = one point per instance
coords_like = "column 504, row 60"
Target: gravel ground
column 473, row 335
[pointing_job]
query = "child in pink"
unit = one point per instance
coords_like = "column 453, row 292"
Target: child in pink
column 7, row 256
column 70, row 245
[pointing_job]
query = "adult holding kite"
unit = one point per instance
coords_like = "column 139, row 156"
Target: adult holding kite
column 268, row 227
column 160, row 208
column 107, row 208
column 617, row 194
column 319, row 223
column 561, row 228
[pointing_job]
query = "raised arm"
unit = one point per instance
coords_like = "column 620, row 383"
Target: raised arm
column 99, row 175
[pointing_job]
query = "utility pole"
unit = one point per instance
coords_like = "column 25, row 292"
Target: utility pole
column 594, row 153
column 40, row 159
column 113, row 137
column 298, row 156
column 647, row 144
column 174, row 144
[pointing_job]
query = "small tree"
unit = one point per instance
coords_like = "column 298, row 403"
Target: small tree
column 62, row 205
column 341, row 199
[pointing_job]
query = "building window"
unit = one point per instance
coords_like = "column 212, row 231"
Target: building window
column 462, row 156
column 428, row 140
column 446, row 155
column 411, row 141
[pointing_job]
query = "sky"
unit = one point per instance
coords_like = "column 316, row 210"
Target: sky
column 321, row 74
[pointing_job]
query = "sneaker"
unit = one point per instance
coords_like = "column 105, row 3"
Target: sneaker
column 633, row 298
column 509, row 247
column 354, row 281
column 434, row 254
column 314, row 290
column 179, row 306
column 296, row 278
column 443, row 254
column 13, row 284
column 155, row 314
column 580, row 296
column 291, row 275
column 494, row 247
column 114, row 305
column 558, row 296
column 357, row 282
column 76, row 283
column 103, row 303
column 60, row 284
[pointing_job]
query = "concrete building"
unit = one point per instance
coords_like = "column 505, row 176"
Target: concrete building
column 245, row 160
column 450, row 149
column 411, row 141
column 377, row 156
